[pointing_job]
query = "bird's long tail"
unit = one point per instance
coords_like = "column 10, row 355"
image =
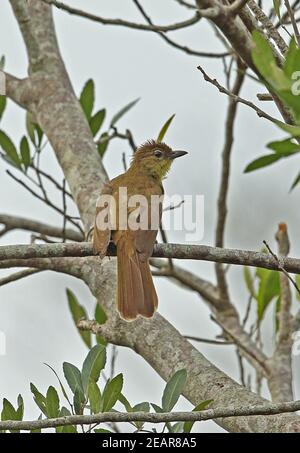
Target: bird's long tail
column 136, row 291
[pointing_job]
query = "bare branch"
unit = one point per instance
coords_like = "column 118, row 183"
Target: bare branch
column 268, row 26
column 293, row 21
column 104, row 21
column 178, row 251
column 18, row 276
column 119, row 417
column 170, row 41
column 21, row 223
column 224, row 185
column 250, row 104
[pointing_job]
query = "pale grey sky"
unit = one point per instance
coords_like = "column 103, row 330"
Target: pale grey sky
column 127, row 64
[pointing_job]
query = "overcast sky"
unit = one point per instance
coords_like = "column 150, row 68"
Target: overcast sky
column 126, row 64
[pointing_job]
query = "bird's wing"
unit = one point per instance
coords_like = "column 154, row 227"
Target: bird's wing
column 103, row 221
column 144, row 240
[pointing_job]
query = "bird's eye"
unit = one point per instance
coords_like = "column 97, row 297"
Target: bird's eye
column 158, row 153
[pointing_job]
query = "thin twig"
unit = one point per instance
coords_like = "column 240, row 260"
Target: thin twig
column 124, row 23
column 208, row 341
column 250, row 104
column 281, row 267
column 170, row 41
column 18, row 276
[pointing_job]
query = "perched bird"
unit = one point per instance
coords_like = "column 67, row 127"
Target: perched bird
column 135, row 237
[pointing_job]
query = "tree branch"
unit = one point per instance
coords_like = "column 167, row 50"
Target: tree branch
column 124, row 23
column 280, row 364
column 224, row 185
column 178, row 251
column 18, row 276
column 21, row 223
column 165, row 417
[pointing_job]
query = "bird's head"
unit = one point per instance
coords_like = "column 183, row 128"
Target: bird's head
column 154, row 158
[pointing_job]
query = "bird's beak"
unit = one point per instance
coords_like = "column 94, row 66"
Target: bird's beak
column 176, row 154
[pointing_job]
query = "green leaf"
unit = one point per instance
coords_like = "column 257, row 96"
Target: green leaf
column 249, row 281
column 78, row 401
column 262, row 55
column 295, row 182
column 284, row 147
column 123, row 400
column 78, row 312
column 100, row 317
column 9, row 149
column 269, row 288
column 39, row 399
column 165, row 128
column 122, row 112
column 87, row 98
column 92, row 366
column 262, row 161
column 96, row 121
column 73, row 378
column 141, row 407
column 102, row 431
column 157, row 408
column 94, row 397
column 187, row 427
column 8, row 411
column 52, row 402
column 103, row 143
column 173, row 390
column 64, row 412
column 292, row 59
column 34, row 131
column 20, row 410
column 177, row 427
column 291, row 129
column 100, row 314
column 112, row 392
column 25, row 152
column 2, row 105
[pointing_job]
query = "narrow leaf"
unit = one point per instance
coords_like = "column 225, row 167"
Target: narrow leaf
column 295, row 182
column 9, row 149
column 173, row 390
column 78, row 312
column 262, row 161
column 87, row 98
column 73, row 377
column 92, row 366
column 52, row 402
column 25, row 152
column 112, row 392
column 122, row 112
column 188, row 425
column 96, row 121
column 165, row 128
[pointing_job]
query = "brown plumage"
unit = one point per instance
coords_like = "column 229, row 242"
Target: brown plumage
column 136, row 291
